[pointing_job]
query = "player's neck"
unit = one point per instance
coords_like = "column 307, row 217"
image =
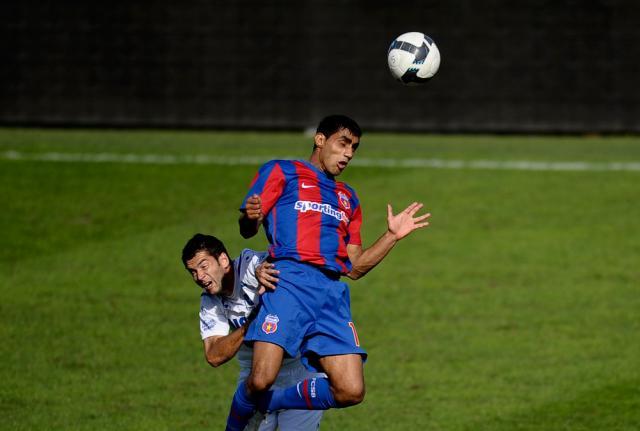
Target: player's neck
column 228, row 282
column 315, row 161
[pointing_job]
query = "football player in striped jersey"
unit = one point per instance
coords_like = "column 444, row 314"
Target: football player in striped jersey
column 312, row 223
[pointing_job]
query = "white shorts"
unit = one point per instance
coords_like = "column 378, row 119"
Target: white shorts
column 292, row 420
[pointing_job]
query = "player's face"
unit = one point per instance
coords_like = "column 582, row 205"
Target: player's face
column 207, row 271
column 336, row 151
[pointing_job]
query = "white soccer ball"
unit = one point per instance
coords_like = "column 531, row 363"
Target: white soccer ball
column 413, row 58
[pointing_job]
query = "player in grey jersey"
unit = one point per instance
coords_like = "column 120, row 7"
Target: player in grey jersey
column 230, row 295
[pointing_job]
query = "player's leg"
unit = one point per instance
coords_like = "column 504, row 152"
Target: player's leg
column 280, row 326
column 334, row 340
column 337, row 346
column 346, row 378
column 267, row 359
column 343, row 387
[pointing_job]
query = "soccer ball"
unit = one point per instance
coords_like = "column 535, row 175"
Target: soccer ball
column 413, row 58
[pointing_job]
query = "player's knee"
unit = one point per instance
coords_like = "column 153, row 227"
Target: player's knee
column 259, row 382
column 349, row 395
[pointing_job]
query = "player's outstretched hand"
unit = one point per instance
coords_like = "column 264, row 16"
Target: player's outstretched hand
column 253, row 208
column 403, row 223
column 267, row 276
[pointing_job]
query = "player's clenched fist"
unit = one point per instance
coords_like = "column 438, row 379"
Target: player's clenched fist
column 251, row 217
column 253, row 208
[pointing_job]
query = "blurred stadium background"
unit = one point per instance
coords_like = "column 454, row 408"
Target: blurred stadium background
column 543, row 66
column 125, row 127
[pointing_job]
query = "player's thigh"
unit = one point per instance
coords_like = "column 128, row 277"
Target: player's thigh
column 288, row 313
column 267, row 359
column 345, row 372
column 299, row 420
column 334, row 332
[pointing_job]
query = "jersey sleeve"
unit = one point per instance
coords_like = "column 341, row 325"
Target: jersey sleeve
column 213, row 320
column 250, row 261
column 268, row 183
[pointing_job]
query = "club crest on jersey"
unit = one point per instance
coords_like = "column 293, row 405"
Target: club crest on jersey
column 344, row 200
column 270, row 324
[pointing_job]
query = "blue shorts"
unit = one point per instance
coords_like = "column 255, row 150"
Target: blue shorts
column 308, row 313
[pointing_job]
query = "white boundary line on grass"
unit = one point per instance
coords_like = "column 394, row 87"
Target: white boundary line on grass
column 203, row 159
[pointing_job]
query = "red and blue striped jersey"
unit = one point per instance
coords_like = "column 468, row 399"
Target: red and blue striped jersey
column 309, row 216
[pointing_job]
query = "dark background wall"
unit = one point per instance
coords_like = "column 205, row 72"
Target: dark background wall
column 525, row 66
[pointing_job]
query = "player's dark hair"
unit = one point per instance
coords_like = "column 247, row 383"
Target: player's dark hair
column 334, row 123
column 201, row 242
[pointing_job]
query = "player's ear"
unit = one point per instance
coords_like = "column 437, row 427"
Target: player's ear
column 319, row 139
column 224, row 261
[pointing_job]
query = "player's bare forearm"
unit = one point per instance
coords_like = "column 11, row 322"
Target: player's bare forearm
column 363, row 261
column 248, row 227
column 251, row 217
column 218, row 350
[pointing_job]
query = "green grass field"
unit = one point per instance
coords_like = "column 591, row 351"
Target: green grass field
column 517, row 309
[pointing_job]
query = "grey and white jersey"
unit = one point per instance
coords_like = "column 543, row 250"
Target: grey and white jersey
column 221, row 314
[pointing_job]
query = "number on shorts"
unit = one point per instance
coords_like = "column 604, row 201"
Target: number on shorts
column 355, row 334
